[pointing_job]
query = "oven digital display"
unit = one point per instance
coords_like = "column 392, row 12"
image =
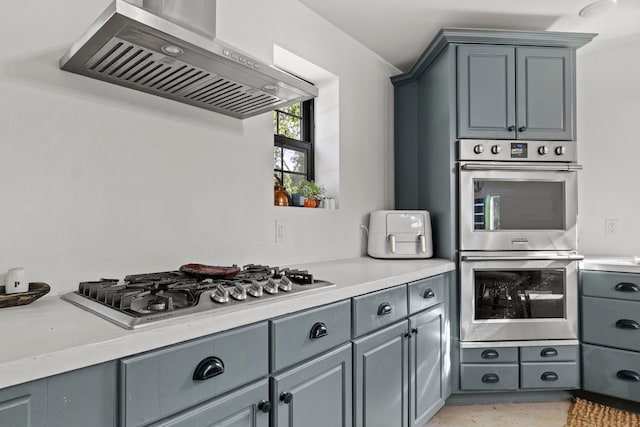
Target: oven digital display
column 519, row 150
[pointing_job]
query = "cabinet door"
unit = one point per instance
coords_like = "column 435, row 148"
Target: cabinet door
column 426, row 356
column 84, row 397
column 545, row 93
column 486, row 92
column 24, row 405
column 247, row 407
column 381, row 378
column 316, row 393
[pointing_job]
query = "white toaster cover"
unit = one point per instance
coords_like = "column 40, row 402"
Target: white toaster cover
column 400, row 234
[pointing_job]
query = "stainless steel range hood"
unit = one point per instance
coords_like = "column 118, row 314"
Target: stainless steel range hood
column 168, row 48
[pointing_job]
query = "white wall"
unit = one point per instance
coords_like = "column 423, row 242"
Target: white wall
column 102, row 181
column 609, row 149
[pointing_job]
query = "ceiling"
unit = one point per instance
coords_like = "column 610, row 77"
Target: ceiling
column 400, row 30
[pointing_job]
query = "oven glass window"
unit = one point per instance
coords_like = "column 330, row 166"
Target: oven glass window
column 519, row 294
column 518, row 205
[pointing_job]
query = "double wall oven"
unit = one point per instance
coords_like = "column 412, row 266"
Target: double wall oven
column 518, row 240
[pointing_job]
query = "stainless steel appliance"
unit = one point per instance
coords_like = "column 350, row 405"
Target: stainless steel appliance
column 169, row 48
column 143, row 299
column 518, row 195
column 518, row 240
column 507, row 296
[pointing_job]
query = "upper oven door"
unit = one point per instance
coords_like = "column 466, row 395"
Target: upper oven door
column 518, row 206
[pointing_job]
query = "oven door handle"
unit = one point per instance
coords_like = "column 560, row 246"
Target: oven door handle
column 472, row 258
column 528, row 167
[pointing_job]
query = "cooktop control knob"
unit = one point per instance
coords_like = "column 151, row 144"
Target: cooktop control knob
column 271, row 287
column 220, row 295
column 255, row 289
column 285, row 284
column 239, row 293
column 496, row 149
column 560, row 150
column 478, row 149
column 543, row 149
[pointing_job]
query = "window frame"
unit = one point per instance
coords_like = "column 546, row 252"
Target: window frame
column 305, row 144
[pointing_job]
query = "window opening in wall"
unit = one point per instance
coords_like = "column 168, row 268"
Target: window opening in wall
column 293, row 152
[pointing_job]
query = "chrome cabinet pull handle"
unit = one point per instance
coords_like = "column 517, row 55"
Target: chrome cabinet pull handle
column 627, row 324
column 628, row 375
column 489, row 354
column 549, row 376
column 384, row 309
column 548, row 352
column 208, row 368
column 428, row 294
column 627, row 287
column 318, row 330
column 490, row 378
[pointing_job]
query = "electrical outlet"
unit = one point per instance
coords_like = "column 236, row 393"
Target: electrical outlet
column 611, row 227
column 281, row 231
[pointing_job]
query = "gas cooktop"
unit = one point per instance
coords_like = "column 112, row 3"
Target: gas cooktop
column 144, row 299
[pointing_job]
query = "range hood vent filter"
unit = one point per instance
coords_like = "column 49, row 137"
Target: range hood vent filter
column 126, row 64
column 133, row 47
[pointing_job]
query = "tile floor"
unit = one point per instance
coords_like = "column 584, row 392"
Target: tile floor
column 538, row 414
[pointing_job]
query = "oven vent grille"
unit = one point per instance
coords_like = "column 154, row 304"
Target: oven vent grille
column 130, row 65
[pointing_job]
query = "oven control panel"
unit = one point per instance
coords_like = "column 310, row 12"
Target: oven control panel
column 517, row 151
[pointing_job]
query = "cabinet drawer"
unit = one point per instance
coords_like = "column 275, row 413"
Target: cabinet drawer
column 299, row 336
column 612, row 372
column 489, row 355
column 614, row 323
column 607, row 284
column 160, row 383
column 564, row 375
column 489, row 376
column 375, row 310
column 425, row 293
column 557, row 353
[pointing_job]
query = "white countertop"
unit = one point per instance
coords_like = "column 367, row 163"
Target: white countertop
column 623, row 264
column 51, row 336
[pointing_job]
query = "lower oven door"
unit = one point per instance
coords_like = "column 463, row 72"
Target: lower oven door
column 529, row 296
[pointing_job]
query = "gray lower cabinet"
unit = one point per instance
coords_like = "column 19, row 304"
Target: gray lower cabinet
column 381, row 377
column 513, row 92
column 317, row 393
column 426, row 359
column 520, row 368
column 24, row 405
column 161, row 383
column 398, row 372
column 247, row 407
column 80, row 398
column 84, row 397
column 610, row 333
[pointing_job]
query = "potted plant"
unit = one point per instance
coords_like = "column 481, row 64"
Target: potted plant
column 312, row 193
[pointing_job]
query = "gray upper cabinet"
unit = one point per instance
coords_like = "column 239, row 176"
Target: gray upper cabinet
column 486, row 92
column 315, row 394
column 545, row 93
column 507, row 92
